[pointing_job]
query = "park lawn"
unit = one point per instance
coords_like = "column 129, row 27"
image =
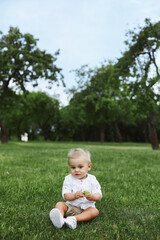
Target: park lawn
column 32, row 175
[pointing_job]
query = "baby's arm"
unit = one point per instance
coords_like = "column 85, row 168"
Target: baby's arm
column 96, row 193
column 73, row 196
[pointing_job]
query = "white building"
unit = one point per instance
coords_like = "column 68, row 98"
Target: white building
column 24, row 137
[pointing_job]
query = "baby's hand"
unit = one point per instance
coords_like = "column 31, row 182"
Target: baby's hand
column 79, row 194
column 89, row 196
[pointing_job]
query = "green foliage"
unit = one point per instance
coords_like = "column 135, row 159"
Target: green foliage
column 103, row 101
column 120, row 94
column 32, row 175
column 73, row 120
column 21, row 61
column 115, row 100
column 42, row 113
column 140, row 61
column 138, row 68
column 35, row 113
column 98, row 93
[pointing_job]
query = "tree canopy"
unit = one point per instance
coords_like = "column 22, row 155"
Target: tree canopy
column 22, row 62
column 139, row 69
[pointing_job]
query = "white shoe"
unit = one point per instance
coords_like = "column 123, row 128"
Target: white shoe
column 71, row 222
column 56, row 218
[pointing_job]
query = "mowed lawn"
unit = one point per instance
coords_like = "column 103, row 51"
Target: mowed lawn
column 32, row 175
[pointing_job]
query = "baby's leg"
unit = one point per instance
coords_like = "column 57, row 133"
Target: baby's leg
column 62, row 207
column 57, row 214
column 87, row 214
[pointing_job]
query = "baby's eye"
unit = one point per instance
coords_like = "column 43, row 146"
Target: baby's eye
column 80, row 166
column 73, row 167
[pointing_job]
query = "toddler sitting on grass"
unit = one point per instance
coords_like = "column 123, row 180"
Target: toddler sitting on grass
column 80, row 191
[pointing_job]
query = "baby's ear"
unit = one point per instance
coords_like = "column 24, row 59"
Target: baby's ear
column 89, row 166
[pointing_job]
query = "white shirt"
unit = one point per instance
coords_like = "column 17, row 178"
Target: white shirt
column 72, row 185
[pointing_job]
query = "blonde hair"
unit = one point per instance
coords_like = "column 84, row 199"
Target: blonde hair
column 76, row 152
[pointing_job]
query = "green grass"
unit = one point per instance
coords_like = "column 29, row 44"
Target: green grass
column 32, row 175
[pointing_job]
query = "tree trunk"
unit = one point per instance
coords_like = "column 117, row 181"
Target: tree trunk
column 152, row 132
column 118, row 133
column 4, row 138
column 102, row 134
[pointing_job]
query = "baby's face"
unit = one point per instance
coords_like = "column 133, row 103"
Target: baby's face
column 79, row 167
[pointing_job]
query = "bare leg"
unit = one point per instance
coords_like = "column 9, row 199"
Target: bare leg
column 87, row 214
column 62, row 207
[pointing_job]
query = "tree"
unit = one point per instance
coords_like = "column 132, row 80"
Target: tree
column 22, row 62
column 34, row 113
column 9, row 108
column 98, row 96
column 43, row 113
column 138, row 68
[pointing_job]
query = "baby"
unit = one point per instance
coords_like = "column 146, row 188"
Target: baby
column 80, row 191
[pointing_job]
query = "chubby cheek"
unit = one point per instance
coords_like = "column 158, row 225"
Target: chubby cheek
column 72, row 171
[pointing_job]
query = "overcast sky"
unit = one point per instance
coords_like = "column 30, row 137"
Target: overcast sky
column 85, row 31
